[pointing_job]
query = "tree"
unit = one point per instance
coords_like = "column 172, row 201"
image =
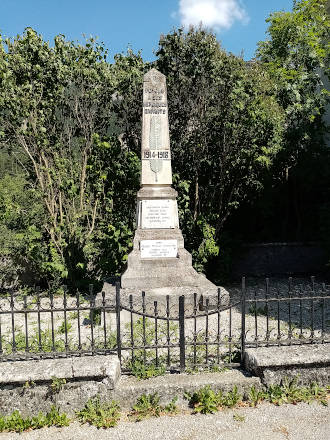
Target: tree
column 57, row 110
column 225, row 128
column 296, row 52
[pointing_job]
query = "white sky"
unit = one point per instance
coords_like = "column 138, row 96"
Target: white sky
column 219, row 14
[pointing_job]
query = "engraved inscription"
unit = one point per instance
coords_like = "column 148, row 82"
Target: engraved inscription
column 154, row 111
column 155, row 144
column 157, row 214
column 160, row 154
column 159, row 248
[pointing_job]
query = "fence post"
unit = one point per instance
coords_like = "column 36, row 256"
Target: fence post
column 243, row 297
column 182, row 336
column 118, row 320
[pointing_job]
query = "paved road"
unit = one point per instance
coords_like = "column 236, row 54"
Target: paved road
column 267, row 422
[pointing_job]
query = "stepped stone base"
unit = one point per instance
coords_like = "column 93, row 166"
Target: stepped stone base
column 159, row 277
column 159, row 294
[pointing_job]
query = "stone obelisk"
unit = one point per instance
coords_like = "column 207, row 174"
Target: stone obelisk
column 159, row 264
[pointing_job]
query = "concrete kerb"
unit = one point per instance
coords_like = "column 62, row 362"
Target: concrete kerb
column 304, row 363
column 26, row 385
column 129, row 389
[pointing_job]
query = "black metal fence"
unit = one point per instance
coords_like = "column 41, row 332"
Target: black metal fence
column 172, row 335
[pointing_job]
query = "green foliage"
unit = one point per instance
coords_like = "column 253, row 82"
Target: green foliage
column 171, row 407
column 256, row 396
column 223, row 117
column 57, row 384
column 145, row 371
column 65, row 326
column 100, row 414
column 15, row 422
column 146, row 406
column 139, row 367
column 70, row 140
column 238, row 418
column 206, row 401
column 59, row 101
column 96, row 316
column 21, row 217
column 45, row 344
column 297, row 50
column 289, row 392
column 260, row 311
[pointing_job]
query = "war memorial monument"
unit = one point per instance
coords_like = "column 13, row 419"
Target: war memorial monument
column 159, row 264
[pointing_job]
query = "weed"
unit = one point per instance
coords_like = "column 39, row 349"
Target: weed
column 230, row 399
column 238, row 418
column 143, row 366
column 206, row 401
column 36, row 344
column 29, row 384
column 146, row 406
column 256, row 396
column 95, row 316
column 61, row 328
column 171, row 407
column 73, row 315
column 15, row 422
column 101, row 415
column 289, row 392
column 57, row 384
column 144, row 371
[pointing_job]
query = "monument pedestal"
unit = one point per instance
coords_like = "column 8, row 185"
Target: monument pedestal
column 159, row 264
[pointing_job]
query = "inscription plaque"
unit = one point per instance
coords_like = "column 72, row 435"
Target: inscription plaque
column 159, row 248
column 157, row 214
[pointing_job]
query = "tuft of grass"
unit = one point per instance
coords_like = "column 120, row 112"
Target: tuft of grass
column 146, row 406
column 15, row 422
column 171, row 407
column 61, row 328
column 238, row 418
column 57, row 384
column 207, row 401
column 289, row 392
column 256, row 396
column 101, row 415
column 145, row 371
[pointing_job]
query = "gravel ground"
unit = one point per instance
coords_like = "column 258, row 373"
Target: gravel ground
column 266, row 422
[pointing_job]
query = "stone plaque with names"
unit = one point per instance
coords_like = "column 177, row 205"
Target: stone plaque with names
column 157, row 214
column 159, row 248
